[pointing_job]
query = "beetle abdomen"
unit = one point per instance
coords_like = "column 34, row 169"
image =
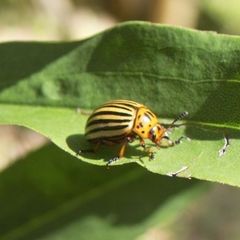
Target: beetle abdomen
column 112, row 121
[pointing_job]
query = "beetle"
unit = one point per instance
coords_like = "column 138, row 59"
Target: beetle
column 122, row 121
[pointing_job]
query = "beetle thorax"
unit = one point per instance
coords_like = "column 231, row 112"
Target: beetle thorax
column 144, row 122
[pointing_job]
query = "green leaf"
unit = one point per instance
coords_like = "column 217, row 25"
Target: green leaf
column 168, row 69
column 53, row 195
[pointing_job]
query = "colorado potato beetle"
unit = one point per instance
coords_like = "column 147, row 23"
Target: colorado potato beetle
column 121, row 122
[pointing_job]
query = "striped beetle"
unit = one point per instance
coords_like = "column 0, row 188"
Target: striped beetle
column 121, row 121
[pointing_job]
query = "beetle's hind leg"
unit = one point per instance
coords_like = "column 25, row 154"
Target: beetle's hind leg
column 121, row 153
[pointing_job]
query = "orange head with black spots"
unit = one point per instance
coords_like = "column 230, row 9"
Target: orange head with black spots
column 147, row 126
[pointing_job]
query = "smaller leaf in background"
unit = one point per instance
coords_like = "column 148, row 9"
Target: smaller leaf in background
column 52, row 194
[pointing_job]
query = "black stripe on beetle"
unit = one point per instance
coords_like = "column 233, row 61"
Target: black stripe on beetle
column 107, row 121
column 115, row 106
column 150, row 113
column 120, row 114
column 107, row 128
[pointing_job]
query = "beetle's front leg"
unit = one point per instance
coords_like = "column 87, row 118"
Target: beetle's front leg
column 179, row 140
column 148, row 150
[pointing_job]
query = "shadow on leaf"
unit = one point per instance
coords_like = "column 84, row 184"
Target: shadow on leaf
column 78, row 142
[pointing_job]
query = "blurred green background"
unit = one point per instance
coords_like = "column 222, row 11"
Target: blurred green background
column 214, row 215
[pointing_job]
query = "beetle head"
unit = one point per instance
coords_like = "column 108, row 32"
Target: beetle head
column 156, row 133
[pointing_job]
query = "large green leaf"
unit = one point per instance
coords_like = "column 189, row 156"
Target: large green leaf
column 54, row 196
column 168, row 69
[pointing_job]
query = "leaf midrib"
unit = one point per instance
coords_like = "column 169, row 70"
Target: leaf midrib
column 162, row 77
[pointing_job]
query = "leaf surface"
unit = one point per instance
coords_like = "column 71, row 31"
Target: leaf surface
column 169, row 69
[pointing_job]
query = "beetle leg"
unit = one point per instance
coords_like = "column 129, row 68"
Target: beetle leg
column 179, row 140
column 120, row 155
column 112, row 160
column 142, row 144
column 148, row 150
column 130, row 139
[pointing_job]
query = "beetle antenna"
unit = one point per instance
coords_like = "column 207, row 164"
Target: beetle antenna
column 179, row 117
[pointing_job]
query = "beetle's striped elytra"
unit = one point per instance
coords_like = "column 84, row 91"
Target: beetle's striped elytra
column 120, row 122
